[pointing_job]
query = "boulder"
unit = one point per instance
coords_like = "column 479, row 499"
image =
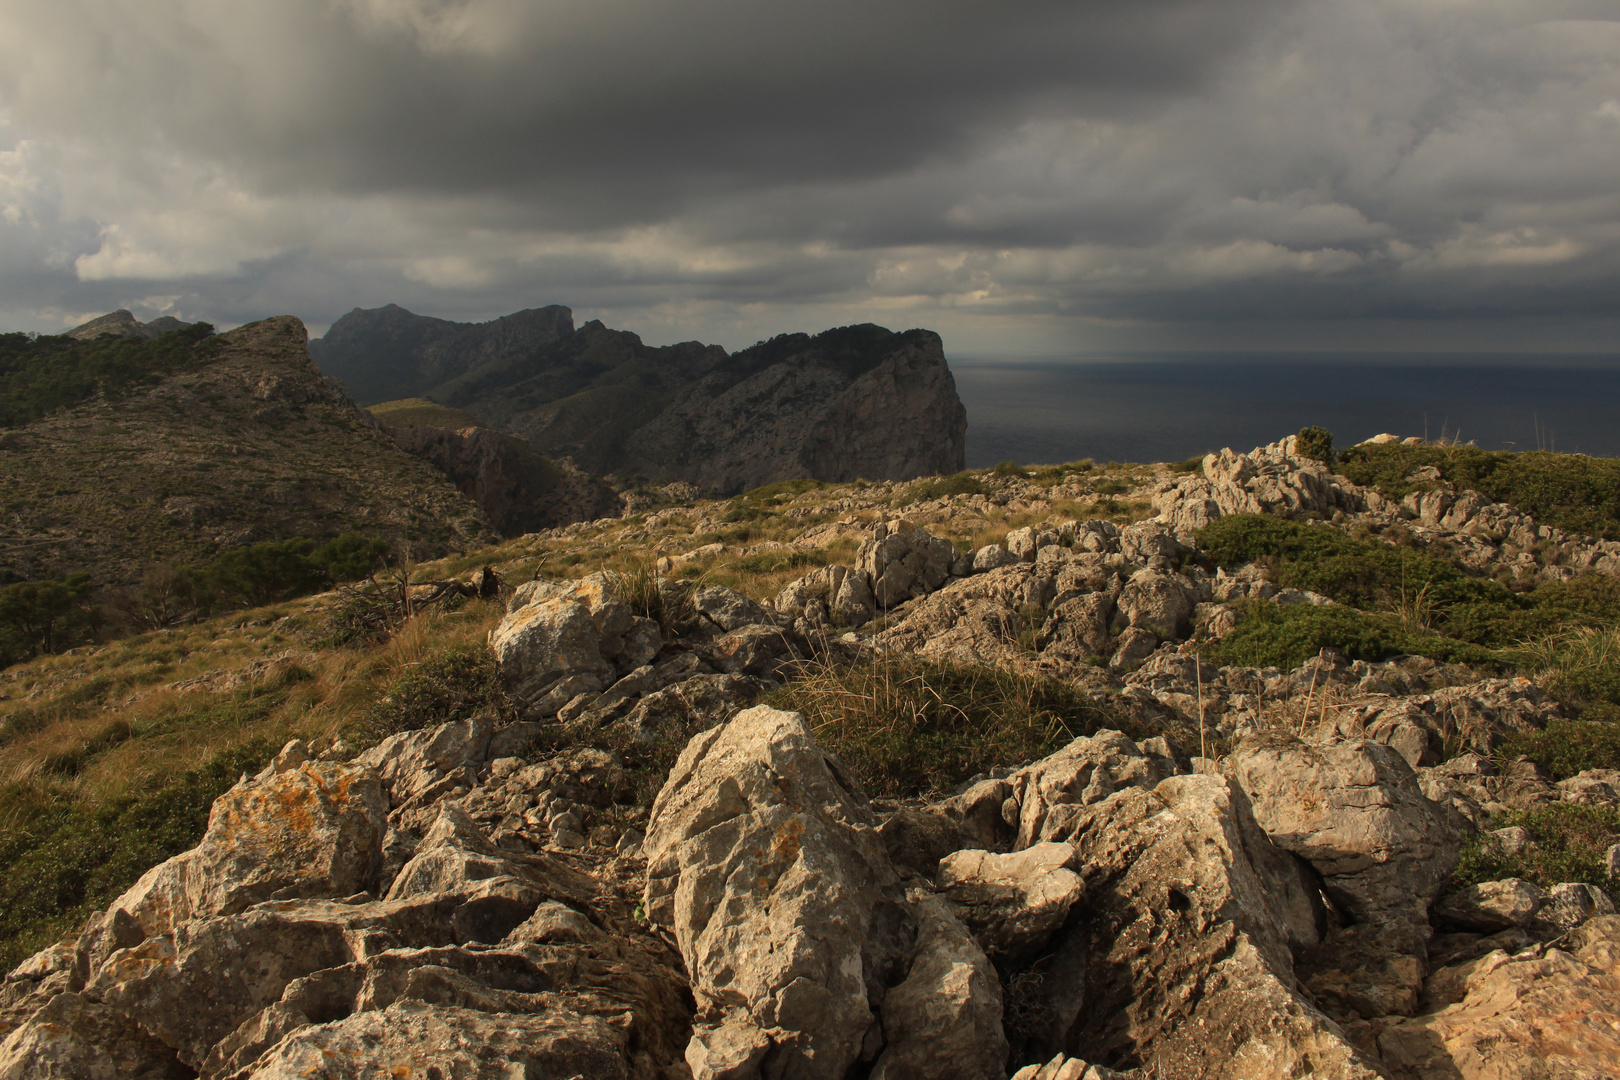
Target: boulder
column 1573, row 903
column 1181, row 953
column 763, row 859
column 1015, row 902
column 828, row 596
column 74, row 1038
column 1353, row 809
column 729, row 610
column 1047, row 795
column 312, row 830
column 1158, row 601
column 971, row 620
column 901, row 561
column 943, row 1020
column 542, row 642
column 414, row 763
column 411, row 1038
column 1490, row 906
column 1132, row 649
column 993, row 557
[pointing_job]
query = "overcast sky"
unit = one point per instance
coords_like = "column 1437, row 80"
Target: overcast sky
column 1026, row 177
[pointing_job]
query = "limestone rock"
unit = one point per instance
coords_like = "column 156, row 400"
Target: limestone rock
column 1354, row 810
column 1180, row 954
column 729, row 610
column 993, row 557
column 1523, row 1017
column 74, row 1038
column 901, row 561
column 314, row 830
column 828, row 596
column 1573, row 903
column 1491, row 906
column 542, row 642
column 411, row 1038
column 764, row 860
column 413, row 763
column 1160, row 602
column 943, row 1021
column 1015, row 902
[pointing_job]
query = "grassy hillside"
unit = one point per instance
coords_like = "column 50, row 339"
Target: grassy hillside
column 232, row 440
column 420, row 412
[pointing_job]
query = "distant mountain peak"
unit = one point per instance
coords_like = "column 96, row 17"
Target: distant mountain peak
column 122, row 323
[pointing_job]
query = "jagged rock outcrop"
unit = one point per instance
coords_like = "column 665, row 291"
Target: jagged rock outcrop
column 849, row 403
column 520, row 489
column 764, row 861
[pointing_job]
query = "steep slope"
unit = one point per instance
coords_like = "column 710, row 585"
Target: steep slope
column 387, row 353
column 520, row 488
column 250, row 443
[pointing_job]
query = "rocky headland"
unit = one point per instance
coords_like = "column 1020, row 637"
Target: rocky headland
column 674, row 834
column 855, row 402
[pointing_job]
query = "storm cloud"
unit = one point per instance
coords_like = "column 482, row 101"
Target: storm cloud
column 1025, row 177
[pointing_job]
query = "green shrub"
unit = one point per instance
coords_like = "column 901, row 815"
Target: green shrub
column 1572, row 492
column 65, row 859
column 911, row 727
column 39, row 375
column 1316, row 443
column 1567, row 747
column 350, row 557
column 1363, row 573
column 457, row 686
column 46, row 617
column 1570, row 840
column 1191, row 465
column 1271, row 636
column 1010, row 468
column 275, row 570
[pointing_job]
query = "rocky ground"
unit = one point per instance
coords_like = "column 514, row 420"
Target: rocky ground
column 1260, row 880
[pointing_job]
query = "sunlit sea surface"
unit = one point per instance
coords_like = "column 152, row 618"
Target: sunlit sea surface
column 1171, row 407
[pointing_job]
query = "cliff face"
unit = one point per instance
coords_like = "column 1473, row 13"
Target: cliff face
column 516, row 486
column 254, row 444
column 858, row 401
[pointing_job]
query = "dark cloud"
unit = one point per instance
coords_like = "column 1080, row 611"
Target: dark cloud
column 1025, row 174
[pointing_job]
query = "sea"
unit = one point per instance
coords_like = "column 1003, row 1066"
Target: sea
column 1172, row 406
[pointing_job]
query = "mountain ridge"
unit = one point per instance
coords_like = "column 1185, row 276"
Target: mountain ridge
column 851, row 402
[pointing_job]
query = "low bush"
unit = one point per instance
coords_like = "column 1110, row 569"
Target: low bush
column 910, row 726
column 1271, row 636
column 456, row 686
column 1573, row 492
column 1316, row 443
column 1570, row 840
column 64, row 858
column 669, row 604
column 1567, row 747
